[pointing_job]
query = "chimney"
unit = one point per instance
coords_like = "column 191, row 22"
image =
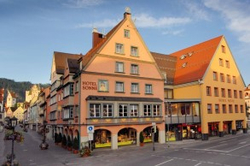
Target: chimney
column 127, row 13
column 96, row 37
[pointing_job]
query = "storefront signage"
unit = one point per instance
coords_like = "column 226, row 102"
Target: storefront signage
column 226, row 100
column 87, row 85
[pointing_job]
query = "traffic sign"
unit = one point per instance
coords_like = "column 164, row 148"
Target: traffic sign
column 90, row 129
column 91, row 136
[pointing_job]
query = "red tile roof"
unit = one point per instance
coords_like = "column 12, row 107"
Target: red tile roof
column 192, row 62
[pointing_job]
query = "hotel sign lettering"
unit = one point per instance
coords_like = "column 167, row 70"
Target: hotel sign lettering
column 87, row 85
column 226, row 100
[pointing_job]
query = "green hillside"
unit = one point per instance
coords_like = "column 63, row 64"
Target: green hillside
column 17, row 87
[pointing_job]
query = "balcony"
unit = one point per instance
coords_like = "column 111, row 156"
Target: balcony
column 124, row 120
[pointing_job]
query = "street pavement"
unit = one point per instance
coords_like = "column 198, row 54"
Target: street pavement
column 186, row 152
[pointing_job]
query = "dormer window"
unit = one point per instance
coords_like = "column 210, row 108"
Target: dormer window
column 184, row 64
column 183, row 56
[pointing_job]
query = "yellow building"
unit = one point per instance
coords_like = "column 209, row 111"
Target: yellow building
column 206, row 92
column 18, row 113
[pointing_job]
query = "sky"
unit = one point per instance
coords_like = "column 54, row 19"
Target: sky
column 31, row 30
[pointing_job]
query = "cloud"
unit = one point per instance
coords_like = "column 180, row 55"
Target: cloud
column 141, row 21
column 82, row 3
column 177, row 32
column 197, row 10
column 236, row 14
column 145, row 21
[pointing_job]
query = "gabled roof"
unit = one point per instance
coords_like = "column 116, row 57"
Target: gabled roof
column 90, row 54
column 192, row 62
column 166, row 64
column 60, row 60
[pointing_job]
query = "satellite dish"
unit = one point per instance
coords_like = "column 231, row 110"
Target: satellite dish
column 127, row 10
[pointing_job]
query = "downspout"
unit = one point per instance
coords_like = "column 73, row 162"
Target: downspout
column 80, row 92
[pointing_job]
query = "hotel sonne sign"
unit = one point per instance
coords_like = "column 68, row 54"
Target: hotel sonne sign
column 87, row 85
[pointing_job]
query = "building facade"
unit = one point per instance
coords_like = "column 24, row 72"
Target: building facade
column 205, row 97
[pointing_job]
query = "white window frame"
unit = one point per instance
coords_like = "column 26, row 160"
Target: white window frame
column 96, row 112
column 134, row 69
column 134, row 51
column 119, row 86
column 109, row 110
column 123, row 110
column 134, row 87
column 119, row 48
column 148, row 88
column 134, row 110
column 119, row 67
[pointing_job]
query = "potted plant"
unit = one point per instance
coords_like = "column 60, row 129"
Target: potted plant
column 69, row 144
column 85, row 151
column 141, row 139
column 64, row 141
column 56, row 138
column 59, row 139
column 75, row 146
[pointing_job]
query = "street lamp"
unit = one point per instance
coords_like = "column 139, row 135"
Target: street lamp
column 13, row 124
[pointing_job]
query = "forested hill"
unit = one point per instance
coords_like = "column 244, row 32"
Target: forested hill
column 18, row 88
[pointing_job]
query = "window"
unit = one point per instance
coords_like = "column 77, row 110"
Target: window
column 134, row 51
column 227, row 64
column 119, row 48
column 234, row 80
column 235, row 94
column 228, row 78
column 119, row 67
column 119, row 87
column 147, row 110
column 123, row 110
column 107, row 110
column 208, row 91
column 236, row 109
column 216, row 92
column 221, row 62
column 230, row 107
column 103, row 86
column 209, row 108
column 241, row 109
column 134, row 69
column 223, row 94
column 156, row 110
column 134, row 109
column 68, row 113
column 224, row 108
column 222, row 78
column 134, row 88
column 126, row 33
column 68, row 90
column 223, row 49
column 77, row 86
column 95, row 110
column 217, row 108
column 240, row 94
column 215, row 76
column 148, row 89
column 229, row 93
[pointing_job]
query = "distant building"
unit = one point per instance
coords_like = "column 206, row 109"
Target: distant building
column 2, row 105
column 11, row 99
column 33, row 92
column 247, row 99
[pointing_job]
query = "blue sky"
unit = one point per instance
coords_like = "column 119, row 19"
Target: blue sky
column 31, row 30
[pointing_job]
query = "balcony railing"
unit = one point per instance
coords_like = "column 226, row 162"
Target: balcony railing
column 124, row 120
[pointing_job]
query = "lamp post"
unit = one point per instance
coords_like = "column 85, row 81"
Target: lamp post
column 13, row 124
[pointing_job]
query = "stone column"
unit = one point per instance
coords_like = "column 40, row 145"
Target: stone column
column 244, row 125
column 221, row 134
column 138, row 138
column 233, row 127
column 162, row 139
column 204, row 130
column 114, row 142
